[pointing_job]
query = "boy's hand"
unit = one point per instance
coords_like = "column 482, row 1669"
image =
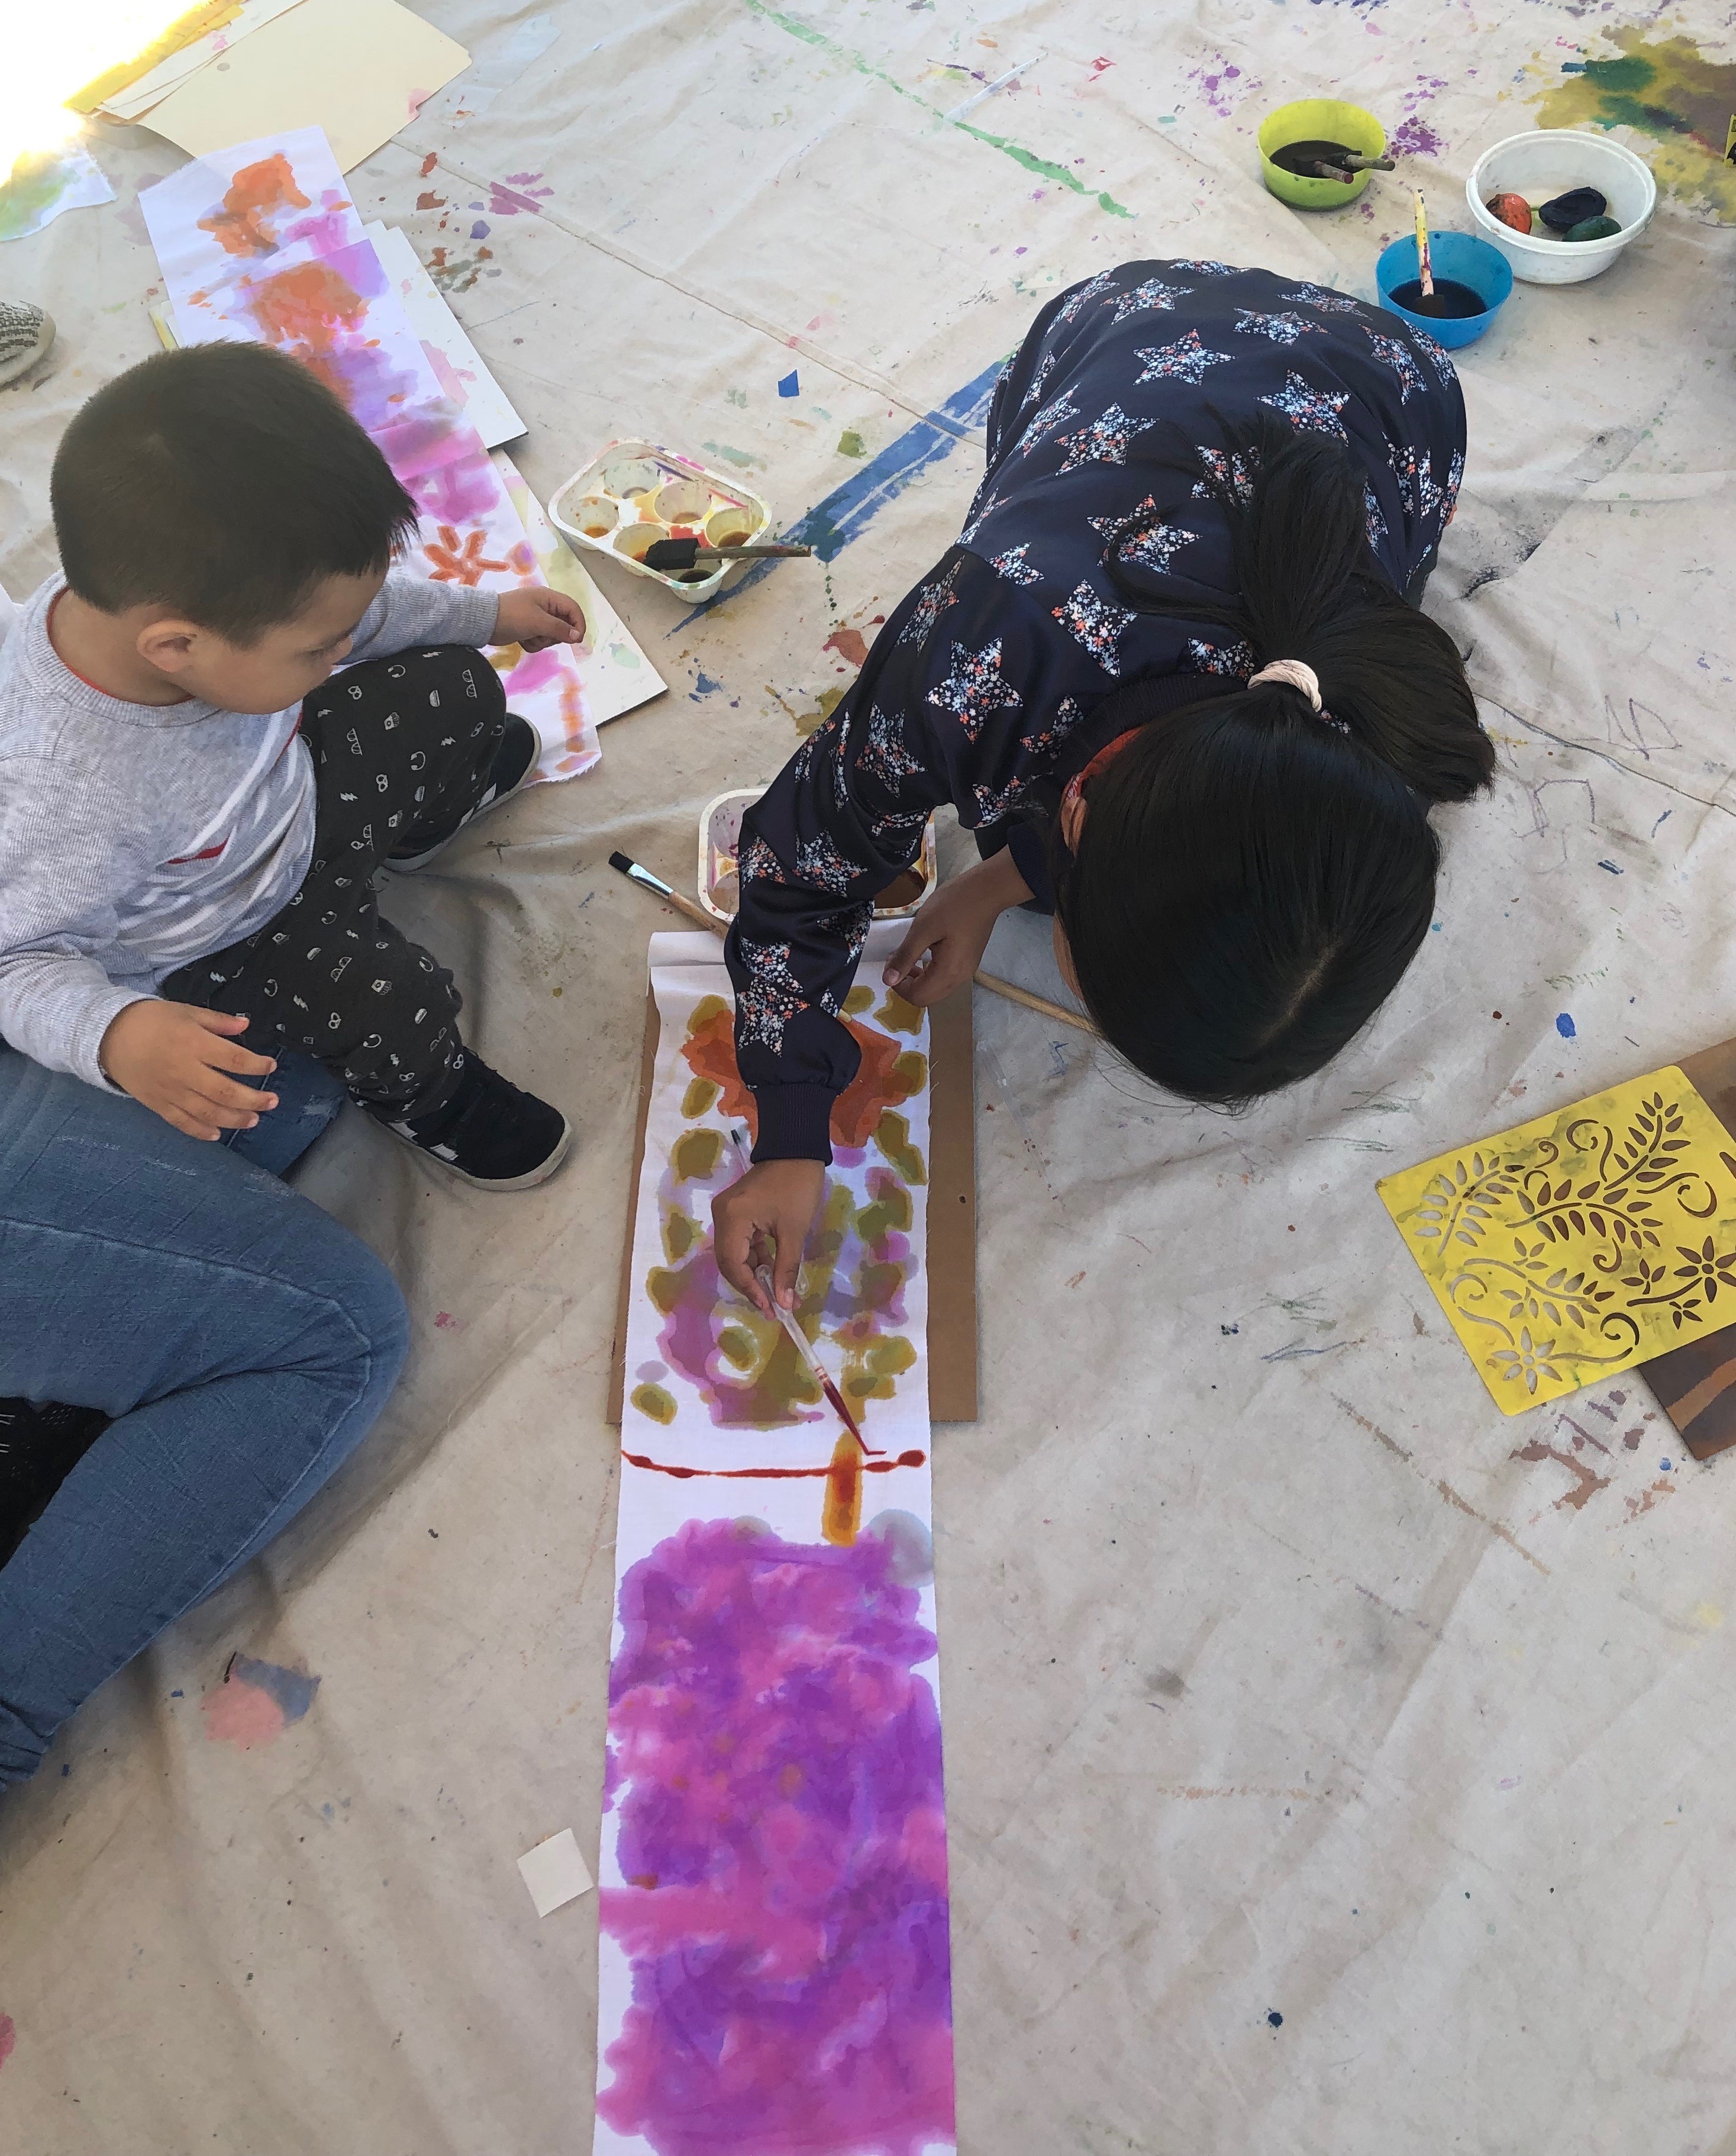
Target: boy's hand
column 764, row 1219
column 171, row 1057
column 535, row 617
column 948, row 936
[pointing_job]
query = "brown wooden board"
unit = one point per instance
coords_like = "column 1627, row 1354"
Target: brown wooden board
column 952, row 1213
column 1695, row 1384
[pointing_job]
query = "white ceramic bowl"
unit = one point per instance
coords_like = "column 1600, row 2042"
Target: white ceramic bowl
column 1548, row 162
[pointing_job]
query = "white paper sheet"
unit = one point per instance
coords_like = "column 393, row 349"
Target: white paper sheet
column 462, row 372
column 774, row 1912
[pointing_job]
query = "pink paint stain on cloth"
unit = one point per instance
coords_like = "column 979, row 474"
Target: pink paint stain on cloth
column 256, row 1702
column 777, row 1768
column 8, row 2037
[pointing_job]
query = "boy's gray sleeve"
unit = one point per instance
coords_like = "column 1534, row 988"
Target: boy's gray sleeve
column 411, row 610
column 56, row 908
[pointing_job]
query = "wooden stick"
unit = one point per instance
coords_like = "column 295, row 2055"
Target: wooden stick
column 1040, row 1004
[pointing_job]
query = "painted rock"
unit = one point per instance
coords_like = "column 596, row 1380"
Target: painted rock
column 1511, row 209
column 1576, row 206
column 1593, row 228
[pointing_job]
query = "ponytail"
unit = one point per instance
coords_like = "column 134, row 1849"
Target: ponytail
column 1307, row 588
column 1253, row 876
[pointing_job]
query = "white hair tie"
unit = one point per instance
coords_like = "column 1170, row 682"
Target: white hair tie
column 1294, row 674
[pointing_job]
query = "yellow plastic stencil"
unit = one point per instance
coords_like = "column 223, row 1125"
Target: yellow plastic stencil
column 1582, row 1243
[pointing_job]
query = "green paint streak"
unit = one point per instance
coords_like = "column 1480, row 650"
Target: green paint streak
column 851, row 444
column 1041, row 167
column 732, row 456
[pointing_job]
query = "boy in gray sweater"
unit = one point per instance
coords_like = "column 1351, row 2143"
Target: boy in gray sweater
column 194, row 802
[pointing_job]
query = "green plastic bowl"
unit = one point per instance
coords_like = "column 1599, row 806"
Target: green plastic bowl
column 1323, row 119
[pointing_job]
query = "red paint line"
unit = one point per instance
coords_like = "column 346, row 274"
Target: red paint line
column 768, row 1474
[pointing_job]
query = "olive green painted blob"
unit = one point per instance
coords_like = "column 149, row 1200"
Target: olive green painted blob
column 891, row 1135
column 654, row 1401
column 698, row 1097
column 1666, row 89
column 695, row 1154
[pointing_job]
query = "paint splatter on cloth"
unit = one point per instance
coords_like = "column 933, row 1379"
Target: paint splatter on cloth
column 1097, row 437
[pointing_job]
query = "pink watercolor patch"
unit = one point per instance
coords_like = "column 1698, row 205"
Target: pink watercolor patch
column 8, row 2037
column 256, row 1702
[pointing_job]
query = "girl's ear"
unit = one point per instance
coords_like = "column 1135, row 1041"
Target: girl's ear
column 1072, row 819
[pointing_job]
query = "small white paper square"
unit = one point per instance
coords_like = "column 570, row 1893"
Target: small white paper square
column 554, row 1871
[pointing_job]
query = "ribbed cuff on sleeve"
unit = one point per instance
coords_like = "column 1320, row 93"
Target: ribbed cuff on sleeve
column 795, row 1123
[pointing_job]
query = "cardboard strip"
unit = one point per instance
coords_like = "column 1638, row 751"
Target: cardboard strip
column 1695, row 1384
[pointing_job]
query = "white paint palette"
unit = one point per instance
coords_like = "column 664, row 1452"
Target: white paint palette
column 632, row 493
column 719, row 843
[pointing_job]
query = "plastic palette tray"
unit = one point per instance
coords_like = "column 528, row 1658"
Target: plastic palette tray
column 720, row 839
column 633, row 493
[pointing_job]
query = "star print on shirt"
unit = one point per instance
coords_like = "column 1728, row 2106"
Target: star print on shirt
column 850, row 928
column 1104, row 442
column 935, row 600
column 975, row 688
column 1086, row 292
column 1186, row 360
column 1204, row 657
column 1157, row 546
column 1325, row 303
column 1435, row 357
column 1419, row 492
column 1092, row 621
column 1112, row 528
column 1309, row 411
column 1376, row 523
column 1154, row 296
column 756, row 862
column 1205, row 268
column 884, row 754
column 1066, row 715
column 1054, row 413
column 1282, row 329
column 992, row 805
column 1235, row 472
column 1455, row 479
column 820, row 863
column 1395, row 353
column 773, row 995
column 1012, row 566
column 1033, row 395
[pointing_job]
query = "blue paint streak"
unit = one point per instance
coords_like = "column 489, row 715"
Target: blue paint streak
column 1566, row 1027
column 789, row 387
column 703, row 685
column 1610, row 866
column 292, row 1689
column 848, row 510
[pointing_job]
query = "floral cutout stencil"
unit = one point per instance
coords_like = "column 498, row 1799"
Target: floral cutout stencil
column 1581, row 1244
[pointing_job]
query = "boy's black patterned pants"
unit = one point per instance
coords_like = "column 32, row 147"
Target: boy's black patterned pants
column 402, row 748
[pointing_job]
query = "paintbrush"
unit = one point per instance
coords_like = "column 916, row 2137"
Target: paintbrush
column 643, row 877
column 672, row 556
column 1425, row 268
column 798, row 1338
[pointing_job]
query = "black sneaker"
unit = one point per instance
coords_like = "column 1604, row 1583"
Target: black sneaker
column 488, row 1132
column 39, row 1447
column 515, row 759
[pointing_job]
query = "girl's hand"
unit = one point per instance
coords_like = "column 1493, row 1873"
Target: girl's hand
column 948, row 938
column 535, row 617
column 764, row 1219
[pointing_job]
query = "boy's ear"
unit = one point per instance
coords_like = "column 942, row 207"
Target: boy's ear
column 1072, row 819
column 167, row 645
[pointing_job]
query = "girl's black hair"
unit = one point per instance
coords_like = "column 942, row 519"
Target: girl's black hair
column 1252, row 880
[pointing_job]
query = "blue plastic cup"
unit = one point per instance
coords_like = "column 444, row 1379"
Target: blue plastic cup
column 1466, row 260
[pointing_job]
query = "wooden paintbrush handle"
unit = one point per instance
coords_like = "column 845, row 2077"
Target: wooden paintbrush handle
column 696, row 914
column 998, row 987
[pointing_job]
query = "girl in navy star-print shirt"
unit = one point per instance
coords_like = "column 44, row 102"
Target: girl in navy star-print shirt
column 1194, row 471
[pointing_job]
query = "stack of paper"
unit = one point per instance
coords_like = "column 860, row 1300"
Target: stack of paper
column 358, row 69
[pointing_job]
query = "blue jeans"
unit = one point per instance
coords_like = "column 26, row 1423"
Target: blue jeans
column 242, row 1341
